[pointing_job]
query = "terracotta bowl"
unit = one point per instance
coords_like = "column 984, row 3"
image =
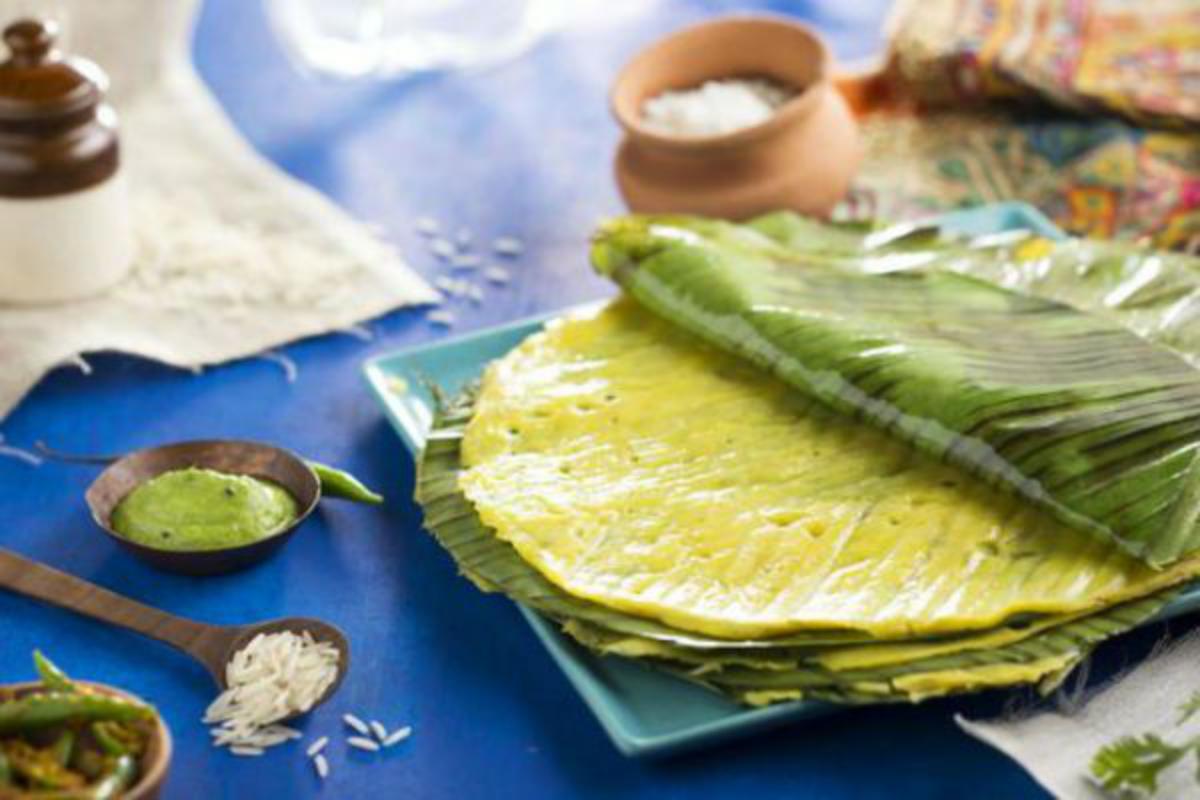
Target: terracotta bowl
column 154, row 764
column 802, row 158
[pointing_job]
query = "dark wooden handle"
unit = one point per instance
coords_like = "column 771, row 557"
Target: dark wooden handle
column 205, row 643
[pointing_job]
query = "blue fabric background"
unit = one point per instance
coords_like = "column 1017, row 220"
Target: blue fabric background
column 524, row 149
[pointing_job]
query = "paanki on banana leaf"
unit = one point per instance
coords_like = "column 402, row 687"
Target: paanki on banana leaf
column 666, row 501
column 1073, row 411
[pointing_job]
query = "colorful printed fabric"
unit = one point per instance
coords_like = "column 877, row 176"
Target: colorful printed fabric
column 986, row 102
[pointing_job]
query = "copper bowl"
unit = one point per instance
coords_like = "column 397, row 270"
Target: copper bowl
column 802, row 158
column 235, row 457
column 157, row 759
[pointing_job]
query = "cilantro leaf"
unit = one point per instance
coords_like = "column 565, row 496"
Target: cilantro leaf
column 1189, row 707
column 1135, row 762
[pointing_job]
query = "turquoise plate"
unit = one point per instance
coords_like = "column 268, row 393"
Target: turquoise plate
column 645, row 712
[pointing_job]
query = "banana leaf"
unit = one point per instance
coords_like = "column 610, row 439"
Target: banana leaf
column 1071, row 411
column 1152, row 293
column 1046, row 655
column 495, row 566
column 755, row 671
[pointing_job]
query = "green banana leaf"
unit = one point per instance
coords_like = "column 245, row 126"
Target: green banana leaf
column 1069, row 643
column 1072, row 411
column 1155, row 294
column 494, row 565
column 751, row 671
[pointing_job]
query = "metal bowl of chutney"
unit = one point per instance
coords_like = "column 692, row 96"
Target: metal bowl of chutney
column 264, row 462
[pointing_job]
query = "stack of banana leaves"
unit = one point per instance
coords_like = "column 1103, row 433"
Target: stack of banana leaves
column 797, row 460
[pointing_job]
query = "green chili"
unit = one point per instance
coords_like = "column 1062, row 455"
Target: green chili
column 117, row 781
column 38, row 767
column 90, row 762
column 117, row 739
column 106, row 738
column 341, row 484
column 63, row 747
column 52, row 677
column 54, row 708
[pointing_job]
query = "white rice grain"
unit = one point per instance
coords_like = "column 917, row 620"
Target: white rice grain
column 447, row 285
column 427, row 226
column 497, row 275
column 356, row 723
column 466, row 261
column 398, row 735
column 442, row 248
column 363, row 743
column 8, row 451
column 274, row 676
column 441, row 317
column 378, row 729
column 316, row 747
column 246, row 750
column 285, row 362
column 508, row 246
column 321, row 766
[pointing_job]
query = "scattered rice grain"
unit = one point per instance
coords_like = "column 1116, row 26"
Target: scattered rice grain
column 316, row 747
column 246, row 750
column 358, row 332
column 442, row 248
column 356, row 723
column 363, row 743
column 427, row 226
column 378, row 729
column 498, row 275
column 9, row 451
column 79, row 362
column 321, row 766
column 441, row 317
column 509, row 246
column 466, row 261
column 398, row 735
column 285, row 362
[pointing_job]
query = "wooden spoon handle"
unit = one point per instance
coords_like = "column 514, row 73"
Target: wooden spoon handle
column 205, row 643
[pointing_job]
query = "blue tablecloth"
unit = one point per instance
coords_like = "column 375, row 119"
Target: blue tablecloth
column 526, row 150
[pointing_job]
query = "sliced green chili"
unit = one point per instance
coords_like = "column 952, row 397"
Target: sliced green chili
column 52, row 708
column 38, row 767
column 52, row 677
column 63, row 747
column 117, row 781
column 117, row 738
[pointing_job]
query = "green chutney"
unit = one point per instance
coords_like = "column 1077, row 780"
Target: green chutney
column 202, row 509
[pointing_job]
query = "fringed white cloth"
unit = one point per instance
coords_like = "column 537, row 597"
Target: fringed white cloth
column 234, row 257
column 1056, row 747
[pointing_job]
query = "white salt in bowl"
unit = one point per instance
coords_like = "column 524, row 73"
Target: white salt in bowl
column 801, row 158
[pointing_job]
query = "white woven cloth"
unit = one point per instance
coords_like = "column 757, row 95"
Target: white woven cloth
column 234, row 257
column 1056, row 747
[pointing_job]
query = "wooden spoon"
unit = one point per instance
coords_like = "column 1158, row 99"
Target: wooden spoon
column 211, row 645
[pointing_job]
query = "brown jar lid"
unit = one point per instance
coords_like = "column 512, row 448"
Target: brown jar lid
column 56, row 136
